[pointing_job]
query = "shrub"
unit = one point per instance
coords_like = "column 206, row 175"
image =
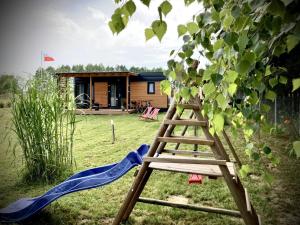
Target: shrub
column 1, row 105
column 44, row 122
column 8, row 104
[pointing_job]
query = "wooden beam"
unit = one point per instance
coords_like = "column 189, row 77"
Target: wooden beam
column 237, row 159
column 186, row 140
column 227, row 212
column 189, row 106
column 248, row 204
column 188, row 122
column 127, row 94
column 185, row 160
column 91, row 92
column 187, row 152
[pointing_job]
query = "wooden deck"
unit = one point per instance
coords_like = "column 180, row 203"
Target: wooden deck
column 103, row 112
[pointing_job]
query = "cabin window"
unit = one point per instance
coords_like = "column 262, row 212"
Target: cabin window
column 151, row 88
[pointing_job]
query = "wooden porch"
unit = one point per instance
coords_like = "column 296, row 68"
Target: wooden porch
column 104, row 112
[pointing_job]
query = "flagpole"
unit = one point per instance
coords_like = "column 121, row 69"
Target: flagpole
column 41, row 62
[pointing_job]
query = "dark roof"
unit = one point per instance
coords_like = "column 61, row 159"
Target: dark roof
column 96, row 74
column 149, row 76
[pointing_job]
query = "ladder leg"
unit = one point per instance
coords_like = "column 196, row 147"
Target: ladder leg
column 235, row 187
column 143, row 182
column 139, row 178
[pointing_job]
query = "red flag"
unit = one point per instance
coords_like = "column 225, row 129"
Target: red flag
column 48, row 58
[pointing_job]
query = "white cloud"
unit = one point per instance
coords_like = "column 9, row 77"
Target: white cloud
column 80, row 35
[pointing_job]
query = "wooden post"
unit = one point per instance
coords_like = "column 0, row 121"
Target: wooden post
column 91, row 93
column 127, row 89
column 196, row 134
column 113, row 131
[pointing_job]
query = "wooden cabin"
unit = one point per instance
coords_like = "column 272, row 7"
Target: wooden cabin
column 116, row 90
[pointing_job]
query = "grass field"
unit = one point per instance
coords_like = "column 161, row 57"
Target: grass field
column 277, row 204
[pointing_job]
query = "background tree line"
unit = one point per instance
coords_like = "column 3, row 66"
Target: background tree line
column 99, row 68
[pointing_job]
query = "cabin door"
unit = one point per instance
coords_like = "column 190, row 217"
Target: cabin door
column 114, row 95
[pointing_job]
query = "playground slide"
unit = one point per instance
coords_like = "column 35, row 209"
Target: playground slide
column 96, row 177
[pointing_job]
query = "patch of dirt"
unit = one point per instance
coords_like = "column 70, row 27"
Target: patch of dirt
column 178, row 199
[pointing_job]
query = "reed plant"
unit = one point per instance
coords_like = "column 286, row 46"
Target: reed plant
column 44, row 122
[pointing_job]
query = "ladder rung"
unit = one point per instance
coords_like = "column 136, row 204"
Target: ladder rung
column 185, row 160
column 187, row 152
column 186, row 140
column 189, row 106
column 248, row 204
column 206, row 170
column 188, row 122
column 188, row 206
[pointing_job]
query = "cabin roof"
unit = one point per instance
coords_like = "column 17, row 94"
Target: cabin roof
column 96, row 74
column 144, row 76
column 149, row 76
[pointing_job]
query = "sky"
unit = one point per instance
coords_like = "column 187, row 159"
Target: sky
column 76, row 32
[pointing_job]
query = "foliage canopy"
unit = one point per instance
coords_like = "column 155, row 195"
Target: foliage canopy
column 241, row 39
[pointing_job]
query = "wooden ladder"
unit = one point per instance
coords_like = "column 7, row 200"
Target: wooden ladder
column 219, row 166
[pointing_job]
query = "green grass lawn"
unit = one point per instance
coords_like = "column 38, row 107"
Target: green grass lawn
column 277, row 204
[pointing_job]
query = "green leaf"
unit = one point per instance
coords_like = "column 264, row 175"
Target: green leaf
column 245, row 169
column 296, row 84
column 218, row 122
column 228, row 21
column 172, row 74
column 283, row 80
column 231, row 76
column 268, row 71
column 181, row 29
column 273, row 82
column 208, row 89
column 222, row 102
column 188, row 2
column 172, row 52
column 243, row 66
column 271, row 95
column 146, row 2
column 296, row 148
column 218, row 44
column 112, row 27
column 149, row 33
column 235, row 11
column 231, row 38
column 232, row 89
column 192, row 27
column 291, row 42
column 265, row 108
column 159, row 28
column 117, row 23
column 287, row 2
column 194, row 91
column 250, row 57
column 165, row 87
column 166, row 7
column 276, row 8
column 185, row 93
column 255, row 156
column 267, row 150
column 243, row 41
column 130, row 7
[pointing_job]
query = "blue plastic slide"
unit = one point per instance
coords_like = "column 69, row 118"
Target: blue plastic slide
column 26, row 207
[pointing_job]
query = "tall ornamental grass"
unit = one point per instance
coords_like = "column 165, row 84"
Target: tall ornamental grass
column 44, row 122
